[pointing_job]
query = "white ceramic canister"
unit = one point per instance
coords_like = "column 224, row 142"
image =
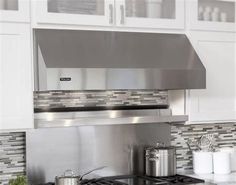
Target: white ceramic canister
column 202, row 162
column 221, row 162
column 232, row 152
column 154, row 8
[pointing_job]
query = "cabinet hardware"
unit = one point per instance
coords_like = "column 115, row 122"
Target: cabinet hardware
column 122, row 11
column 111, row 14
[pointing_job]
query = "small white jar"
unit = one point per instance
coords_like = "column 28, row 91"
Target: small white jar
column 223, row 17
column 216, row 9
column 208, row 9
column 207, row 13
column 200, row 13
column 202, row 162
column 215, row 15
column 206, row 16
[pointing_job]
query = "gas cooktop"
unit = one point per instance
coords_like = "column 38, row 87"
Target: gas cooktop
column 141, row 180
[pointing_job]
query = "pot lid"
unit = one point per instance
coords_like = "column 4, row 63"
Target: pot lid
column 160, row 147
column 68, row 174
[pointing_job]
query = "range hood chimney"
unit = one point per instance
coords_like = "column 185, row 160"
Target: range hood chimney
column 102, row 60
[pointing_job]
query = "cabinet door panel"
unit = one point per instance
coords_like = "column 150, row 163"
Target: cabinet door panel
column 16, row 99
column 150, row 13
column 209, row 15
column 70, row 12
column 217, row 102
column 14, row 10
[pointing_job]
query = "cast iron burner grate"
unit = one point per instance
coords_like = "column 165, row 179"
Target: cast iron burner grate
column 180, row 180
column 101, row 182
column 141, row 180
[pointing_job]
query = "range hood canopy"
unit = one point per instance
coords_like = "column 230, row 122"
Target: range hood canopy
column 101, row 60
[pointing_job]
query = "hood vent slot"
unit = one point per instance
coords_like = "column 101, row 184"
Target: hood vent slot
column 112, row 117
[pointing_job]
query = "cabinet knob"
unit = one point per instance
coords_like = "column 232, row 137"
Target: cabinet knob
column 111, row 17
column 122, row 13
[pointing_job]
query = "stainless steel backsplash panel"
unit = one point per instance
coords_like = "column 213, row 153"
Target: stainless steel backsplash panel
column 51, row 151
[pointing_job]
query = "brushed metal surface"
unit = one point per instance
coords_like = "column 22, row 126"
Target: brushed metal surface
column 112, row 117
column 160, row 162
column 121, row 148
column 101, row 60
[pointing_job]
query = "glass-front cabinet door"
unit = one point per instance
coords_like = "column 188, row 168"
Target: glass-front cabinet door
column 14, row 10
column 75, row 12
column 150, row 13
column 212, row 15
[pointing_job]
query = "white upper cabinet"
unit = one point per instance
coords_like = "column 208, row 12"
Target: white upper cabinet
column 150, row 13
column 74, row 12
column 216, row 103
column 16, row 86
column 211, row 15
column 14, row 10
column 167, row 14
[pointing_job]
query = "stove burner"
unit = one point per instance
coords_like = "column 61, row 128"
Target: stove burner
column 101, row 181
column 141, row 180
column 180, row 180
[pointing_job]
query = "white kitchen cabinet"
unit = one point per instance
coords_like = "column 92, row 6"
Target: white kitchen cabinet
column 167, row 14
column 150, row 13
column 16, row 87
column 71, row 12
column 216, row 103
column 14, row 10
column 211, row 15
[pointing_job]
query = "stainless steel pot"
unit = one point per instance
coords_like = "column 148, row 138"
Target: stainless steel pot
column 68, row 179
column 160, row 161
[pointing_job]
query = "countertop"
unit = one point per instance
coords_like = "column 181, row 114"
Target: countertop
column 228, row 179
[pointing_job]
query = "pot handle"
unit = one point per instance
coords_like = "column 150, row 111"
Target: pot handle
column 69, row 173
column 99, row 168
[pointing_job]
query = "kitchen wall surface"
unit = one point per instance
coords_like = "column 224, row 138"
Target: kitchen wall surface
column 12, row 156
column 224, row 133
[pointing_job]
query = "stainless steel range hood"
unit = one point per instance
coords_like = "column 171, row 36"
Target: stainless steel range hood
column 101, row 60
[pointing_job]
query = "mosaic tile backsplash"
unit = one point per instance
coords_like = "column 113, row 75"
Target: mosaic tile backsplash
column 12, row 156
column 224, row 134
column 62, row 99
